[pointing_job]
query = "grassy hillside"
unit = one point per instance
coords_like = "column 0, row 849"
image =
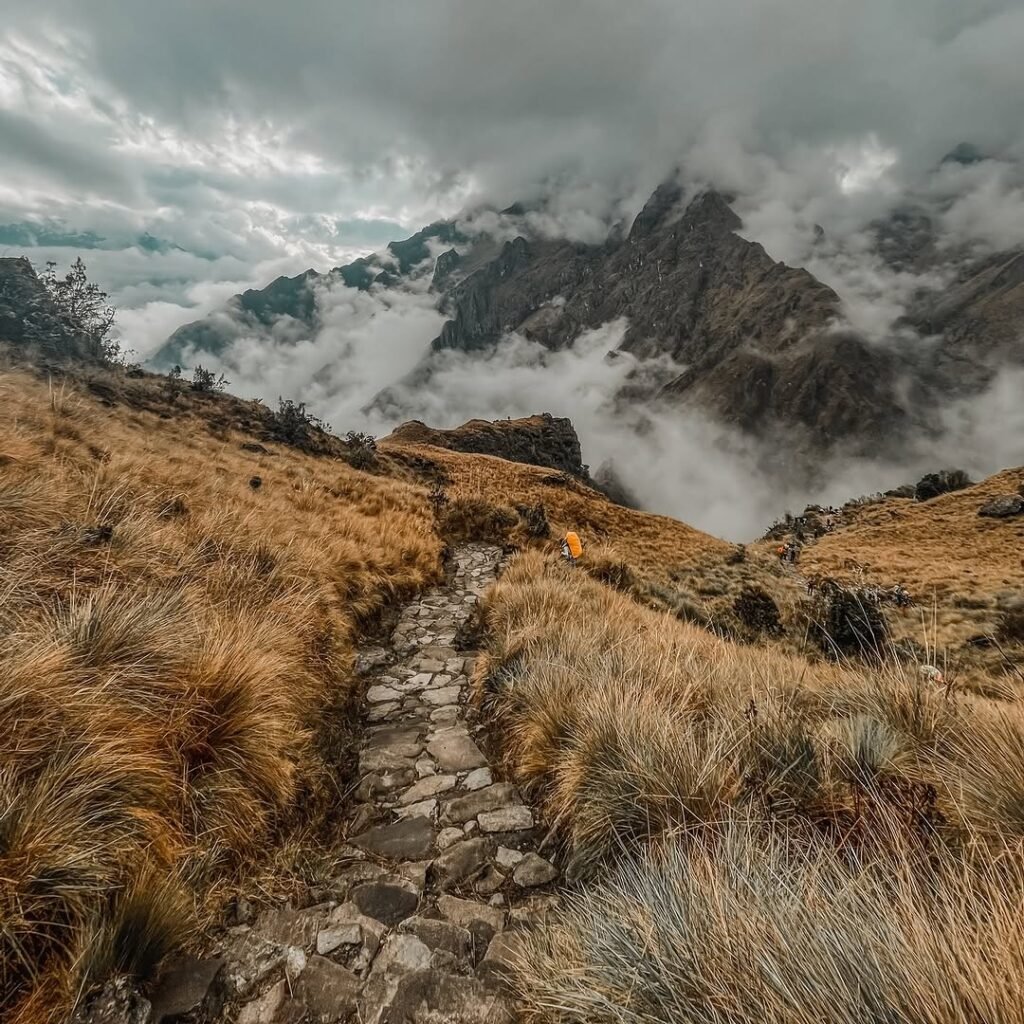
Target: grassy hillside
column 177, row 623
column 762, row 837
column 966, row 570
column 180, row 599
column 184, row 578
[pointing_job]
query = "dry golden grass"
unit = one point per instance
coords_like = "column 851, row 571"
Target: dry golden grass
column 652, row 544
column 939, row 546
column 766, row 838
column 173, row 639
column 965, row 573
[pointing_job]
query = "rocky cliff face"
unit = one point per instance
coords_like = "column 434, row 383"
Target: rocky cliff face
column 31, row 323
column 757, row 340
column 543, row 440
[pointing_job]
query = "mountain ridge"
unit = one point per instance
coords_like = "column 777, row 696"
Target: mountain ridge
column 759, row 345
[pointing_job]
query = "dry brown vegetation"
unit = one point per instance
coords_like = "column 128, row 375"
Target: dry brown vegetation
column 965, row 573
column 177, row 624
column 180, row 597
column 471, row 483
column 765, row 838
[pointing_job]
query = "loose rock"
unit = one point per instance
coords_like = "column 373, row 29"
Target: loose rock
column 534, row 870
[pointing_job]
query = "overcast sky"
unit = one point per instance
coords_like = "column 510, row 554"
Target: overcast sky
column 259, row 131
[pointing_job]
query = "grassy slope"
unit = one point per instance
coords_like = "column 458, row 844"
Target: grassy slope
column 175, row 655
column 651, row 543
column 816, row 842
column 176, row 648
column 175, row 676
column 940, row 547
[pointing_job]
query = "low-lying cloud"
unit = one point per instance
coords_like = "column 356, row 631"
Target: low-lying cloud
column 674, row 460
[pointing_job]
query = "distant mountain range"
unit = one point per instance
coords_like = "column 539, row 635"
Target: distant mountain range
column 762, row 343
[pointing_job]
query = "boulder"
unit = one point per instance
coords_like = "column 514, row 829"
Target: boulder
column 1003, row 507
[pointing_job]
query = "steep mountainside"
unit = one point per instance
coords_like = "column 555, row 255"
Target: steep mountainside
column 755, row 342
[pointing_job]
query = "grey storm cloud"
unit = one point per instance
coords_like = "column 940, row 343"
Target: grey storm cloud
column 510, row 93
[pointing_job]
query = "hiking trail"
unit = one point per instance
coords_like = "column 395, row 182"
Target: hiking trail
column 440, row 874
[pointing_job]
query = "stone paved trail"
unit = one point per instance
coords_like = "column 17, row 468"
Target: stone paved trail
column 440, row 876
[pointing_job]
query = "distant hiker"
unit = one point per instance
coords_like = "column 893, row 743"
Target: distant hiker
column 571, row 547
column 788, row 552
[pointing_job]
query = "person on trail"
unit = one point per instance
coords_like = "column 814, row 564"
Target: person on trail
column 571, row 547
column 789, row 552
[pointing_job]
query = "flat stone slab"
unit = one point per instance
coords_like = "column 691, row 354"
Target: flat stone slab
column 456, row 752
column 385, row 902
column 401, row 740
column 467, row 912
column 508, row 819
column 337, row 935
column 461, row 862
column 411, row 839
column 442, row 695
column 378, row 694
column 425, row 809
column 381, row 759
column 427, row 787
column 492, row 798
column 478, row 779
column 381, row 712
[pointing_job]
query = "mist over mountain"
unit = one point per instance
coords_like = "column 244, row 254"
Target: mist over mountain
column 681, row 349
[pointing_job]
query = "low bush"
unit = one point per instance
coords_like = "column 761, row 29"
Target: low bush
column 756, row 609
column 475, row 519
column 848, row 622
column 943, row 482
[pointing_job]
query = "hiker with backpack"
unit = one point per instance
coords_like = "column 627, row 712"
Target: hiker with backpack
column 571, row 547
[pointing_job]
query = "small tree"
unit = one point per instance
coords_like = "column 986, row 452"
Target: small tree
column 207, row 381
column 82, row 304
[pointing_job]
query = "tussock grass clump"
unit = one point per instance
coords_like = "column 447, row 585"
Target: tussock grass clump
column 756, row 927
column 175, row 672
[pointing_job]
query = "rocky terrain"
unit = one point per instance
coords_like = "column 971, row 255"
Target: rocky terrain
column 543, row 440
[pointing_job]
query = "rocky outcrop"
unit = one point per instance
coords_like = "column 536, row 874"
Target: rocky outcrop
column 32, row 324
column 543, row 440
